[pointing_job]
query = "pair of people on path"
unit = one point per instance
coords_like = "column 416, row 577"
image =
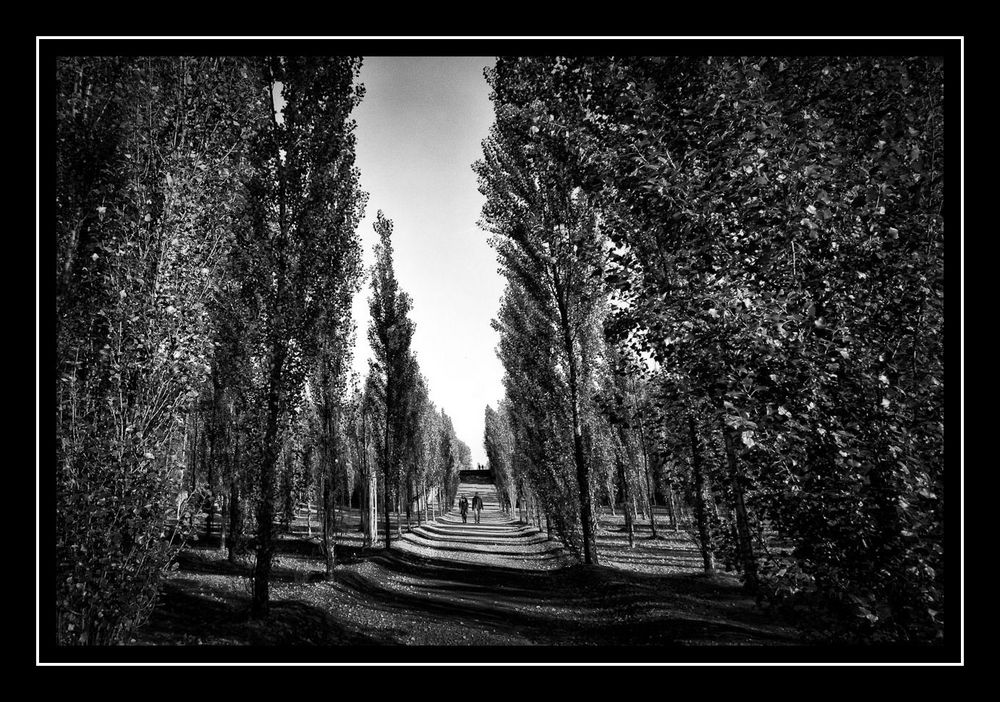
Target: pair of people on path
column 463, row 507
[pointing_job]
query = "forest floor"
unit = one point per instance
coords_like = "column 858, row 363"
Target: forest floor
column 448, row 583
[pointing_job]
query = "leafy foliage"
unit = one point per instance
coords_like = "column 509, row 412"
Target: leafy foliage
column 149, row 155
column 777, row 268
column 201, row 241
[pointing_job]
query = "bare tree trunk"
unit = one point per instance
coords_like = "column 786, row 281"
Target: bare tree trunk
column 701, row 508
column 265, row 508
column 386, row 461
column 369, row 502
column 629, row 525
column 235, row 520
column 747, row 559
column 210, row 461
column 329, row 526
column 372, row 507
column 364, row 510
column 223, row 521
column 387, row 506
column 650, row 487
column 671, row 508
column 579, row 457
column 399, row 516
column 409, row 503
column 611, row 499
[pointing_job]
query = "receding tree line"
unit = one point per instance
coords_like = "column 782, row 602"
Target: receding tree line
column 207, row 256
column 725, row 290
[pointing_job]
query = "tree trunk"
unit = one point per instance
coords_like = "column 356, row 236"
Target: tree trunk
column 223, row 521
column 671, row 509
column 399, row 516
column 369, row 502
column 204, row 452
column 387, row 506
column 700, row 506
column 329, row 526
column 386, row 461
column 235, row 520
column 409, row 503
column 629, row 524
column 579, row 457
column 265, row 508
column 650, row 487
column 210, row 516
column 210, row 462
column 747, row 559
column 372, row 536
column 193, row 459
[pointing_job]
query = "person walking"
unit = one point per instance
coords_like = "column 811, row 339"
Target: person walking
column 477, row 504
column 463, row 507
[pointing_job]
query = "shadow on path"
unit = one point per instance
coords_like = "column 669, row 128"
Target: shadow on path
column 500, row 582
column 575, row 605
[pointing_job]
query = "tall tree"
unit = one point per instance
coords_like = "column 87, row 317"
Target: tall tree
column 499, row 444
column 150, row 153
column 299, row 246
column 361, row 431
column 329, row 397
column 391, row 366
column 550, row 247
column 778, row 250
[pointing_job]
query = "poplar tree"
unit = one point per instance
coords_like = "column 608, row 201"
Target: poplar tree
column 299, row 251
column 150, row 155
column 391, row 367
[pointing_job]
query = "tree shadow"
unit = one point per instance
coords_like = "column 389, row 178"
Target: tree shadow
column 193, row 561
column 486, row 539
column 613, row 615
column 186, row 617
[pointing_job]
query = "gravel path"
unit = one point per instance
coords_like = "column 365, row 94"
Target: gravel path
column 496, row 541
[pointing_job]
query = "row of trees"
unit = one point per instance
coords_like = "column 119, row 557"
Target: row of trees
column 207, row 257
column 726, row 276
column 418, row 453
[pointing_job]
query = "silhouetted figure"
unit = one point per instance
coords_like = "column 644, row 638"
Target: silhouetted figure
column 463, row 507
column 477, row 504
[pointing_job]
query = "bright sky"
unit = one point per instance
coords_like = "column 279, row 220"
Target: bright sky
column 420, row 127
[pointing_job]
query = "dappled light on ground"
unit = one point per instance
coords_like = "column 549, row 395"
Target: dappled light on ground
column 499, row 582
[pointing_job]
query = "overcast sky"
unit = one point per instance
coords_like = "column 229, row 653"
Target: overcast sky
column 420, row 127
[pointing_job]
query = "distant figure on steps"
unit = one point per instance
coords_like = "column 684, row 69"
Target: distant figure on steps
column 463, row 507
column 477, row 504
